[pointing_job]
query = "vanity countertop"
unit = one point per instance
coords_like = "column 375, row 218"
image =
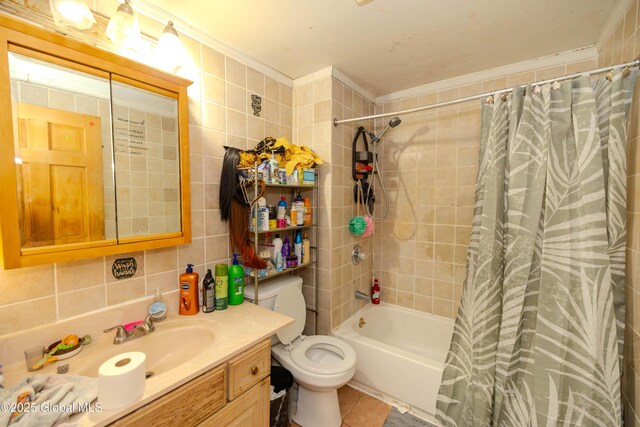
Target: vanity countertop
column 234, row 330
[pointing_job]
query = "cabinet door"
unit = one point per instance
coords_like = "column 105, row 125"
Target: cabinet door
column 251, row 409
column 184, row 406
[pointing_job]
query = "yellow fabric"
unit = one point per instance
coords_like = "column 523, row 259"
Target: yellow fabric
column 295, row 156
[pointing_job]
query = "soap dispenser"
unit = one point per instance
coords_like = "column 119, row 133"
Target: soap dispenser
column 158, row 308
column 189, row 303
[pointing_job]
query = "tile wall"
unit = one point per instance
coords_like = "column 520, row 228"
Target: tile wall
column 316, row 104
column 219, row 114
column 147, row 166
column 346, row 277
column 429, row 165
column 623, row 46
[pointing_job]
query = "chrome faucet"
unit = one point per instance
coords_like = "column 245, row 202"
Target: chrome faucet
column 361, row 295
column 138, row 331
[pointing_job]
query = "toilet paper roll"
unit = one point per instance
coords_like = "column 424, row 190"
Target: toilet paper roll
column 121, row 380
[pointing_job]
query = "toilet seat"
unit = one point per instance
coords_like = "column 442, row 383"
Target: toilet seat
column 318, row 354
column 290, row 302
column 323, row 355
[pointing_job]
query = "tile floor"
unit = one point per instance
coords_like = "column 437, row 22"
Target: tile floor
column 359, row 409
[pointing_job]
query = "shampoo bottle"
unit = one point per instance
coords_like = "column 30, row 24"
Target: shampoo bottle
column 286, row 247
column 282, row 208
column 277, row 245
column 236, row 282
column 306, row 249
column 274, row 176
column 298, row 205
column 307, row 212
column 285, row 251
column 277, row 253
column 297, row 246
column 222, row 286
column 375, row 292
column 208, row 297
column 189, row 292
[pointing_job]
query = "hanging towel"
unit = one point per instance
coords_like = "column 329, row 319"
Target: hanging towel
column 70, row 394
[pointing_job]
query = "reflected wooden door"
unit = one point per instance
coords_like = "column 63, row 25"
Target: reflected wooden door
column 61, row 196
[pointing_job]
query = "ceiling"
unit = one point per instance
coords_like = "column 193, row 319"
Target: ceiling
column 391, row 45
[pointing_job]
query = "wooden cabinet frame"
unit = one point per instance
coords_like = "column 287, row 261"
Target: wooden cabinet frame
column 56, row 48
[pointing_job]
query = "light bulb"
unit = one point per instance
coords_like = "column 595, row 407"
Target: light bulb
column 123, row 29
column 72, row 13
column 169, row 54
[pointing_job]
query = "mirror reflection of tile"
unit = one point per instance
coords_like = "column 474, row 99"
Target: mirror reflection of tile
column 147, row 172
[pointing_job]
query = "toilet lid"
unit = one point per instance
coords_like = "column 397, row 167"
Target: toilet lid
column 325, row 355
column 290, row 302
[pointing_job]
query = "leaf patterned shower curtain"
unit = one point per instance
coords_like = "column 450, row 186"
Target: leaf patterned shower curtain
column 538, row 338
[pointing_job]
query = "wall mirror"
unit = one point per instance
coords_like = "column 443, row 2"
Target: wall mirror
column 95, row 151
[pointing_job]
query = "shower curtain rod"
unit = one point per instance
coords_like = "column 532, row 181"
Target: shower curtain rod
column 337, row 122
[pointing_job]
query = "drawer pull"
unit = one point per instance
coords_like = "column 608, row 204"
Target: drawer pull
column 254, row 370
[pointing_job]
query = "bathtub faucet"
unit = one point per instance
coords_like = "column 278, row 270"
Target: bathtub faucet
column 361, row 295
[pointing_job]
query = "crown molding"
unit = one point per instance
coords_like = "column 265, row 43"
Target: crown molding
column 146, row 7
column 562, row 58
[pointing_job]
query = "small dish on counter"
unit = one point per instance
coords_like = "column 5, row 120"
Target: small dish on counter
column 66, row 353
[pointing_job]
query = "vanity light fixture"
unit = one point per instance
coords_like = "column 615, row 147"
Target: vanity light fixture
column 72, row 13
column 169, row 53
column 123, row 28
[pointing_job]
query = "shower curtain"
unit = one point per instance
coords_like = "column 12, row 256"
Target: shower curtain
column 539, row 334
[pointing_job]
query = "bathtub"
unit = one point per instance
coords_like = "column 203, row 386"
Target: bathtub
column 400, row 355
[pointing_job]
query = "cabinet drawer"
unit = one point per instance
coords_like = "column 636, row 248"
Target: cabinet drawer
column 185, row 406
column 249, row 368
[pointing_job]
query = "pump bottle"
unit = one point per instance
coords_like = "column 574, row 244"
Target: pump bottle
column 189, row 292
column 236, row 282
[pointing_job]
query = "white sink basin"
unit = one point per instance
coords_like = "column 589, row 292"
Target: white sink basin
column 165, row 349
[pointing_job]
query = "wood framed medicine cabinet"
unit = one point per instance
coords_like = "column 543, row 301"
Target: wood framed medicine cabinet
column 94, row 153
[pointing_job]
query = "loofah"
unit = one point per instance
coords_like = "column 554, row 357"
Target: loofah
column 370, row 226
column 357, row 225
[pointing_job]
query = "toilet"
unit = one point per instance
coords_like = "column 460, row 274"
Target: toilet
column 320, row 364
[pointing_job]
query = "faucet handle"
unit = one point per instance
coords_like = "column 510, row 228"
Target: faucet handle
column 121, row 332
column 148, row 321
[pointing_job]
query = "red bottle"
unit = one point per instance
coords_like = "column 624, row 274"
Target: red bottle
column 375, row 292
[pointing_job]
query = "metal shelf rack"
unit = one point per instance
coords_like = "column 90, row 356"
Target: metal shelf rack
column 312, row 228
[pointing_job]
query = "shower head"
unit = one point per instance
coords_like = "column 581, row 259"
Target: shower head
column 395, row 122
column 392, row 123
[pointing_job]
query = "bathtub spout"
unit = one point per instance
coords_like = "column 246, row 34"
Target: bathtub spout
column 361, row 295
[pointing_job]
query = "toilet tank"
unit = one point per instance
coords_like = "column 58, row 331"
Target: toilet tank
column 268, row 289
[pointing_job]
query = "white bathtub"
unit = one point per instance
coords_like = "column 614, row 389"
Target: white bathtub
column 400, row 355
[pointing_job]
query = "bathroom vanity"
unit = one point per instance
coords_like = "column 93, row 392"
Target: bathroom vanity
column 209, row 369
column 236, row 391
